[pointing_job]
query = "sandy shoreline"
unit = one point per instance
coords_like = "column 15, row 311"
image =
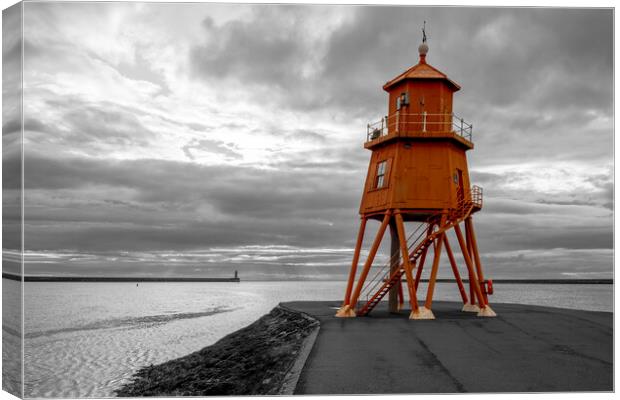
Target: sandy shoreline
column 264, row 358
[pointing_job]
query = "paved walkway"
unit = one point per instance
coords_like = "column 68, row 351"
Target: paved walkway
column 524, row 349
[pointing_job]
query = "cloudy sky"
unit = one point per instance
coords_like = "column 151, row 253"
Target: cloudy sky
column 196, row 139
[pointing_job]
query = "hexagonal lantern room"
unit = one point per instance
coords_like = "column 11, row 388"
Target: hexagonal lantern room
column 418, row 172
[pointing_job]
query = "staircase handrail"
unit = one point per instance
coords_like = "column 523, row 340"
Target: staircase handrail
column 370, row 287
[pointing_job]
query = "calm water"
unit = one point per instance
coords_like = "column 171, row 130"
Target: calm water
column 87, row 339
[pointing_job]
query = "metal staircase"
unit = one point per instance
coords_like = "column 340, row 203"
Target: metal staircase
column 464, row 209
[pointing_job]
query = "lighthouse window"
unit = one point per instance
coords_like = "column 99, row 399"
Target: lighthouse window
column 379, row 180
column 402, row 100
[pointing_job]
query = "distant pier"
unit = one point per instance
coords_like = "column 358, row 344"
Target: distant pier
column 589, row 281
column 34, row 278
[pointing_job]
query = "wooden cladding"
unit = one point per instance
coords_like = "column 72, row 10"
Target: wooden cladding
column 414, row 175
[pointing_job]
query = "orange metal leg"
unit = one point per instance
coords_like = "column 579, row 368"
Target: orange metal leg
column 470, row 267
column 395, row 293
column 413, row 299
column 356, row 257
column 469, row 225
column 431, row 282
column 418, row 274
column 401, row 296
column 455, row 270
column 370, row 259
column 472, row 279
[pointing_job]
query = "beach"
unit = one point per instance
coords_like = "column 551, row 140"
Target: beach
column 258, row 359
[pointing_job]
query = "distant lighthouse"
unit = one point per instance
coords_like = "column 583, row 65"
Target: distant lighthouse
column 418, row 172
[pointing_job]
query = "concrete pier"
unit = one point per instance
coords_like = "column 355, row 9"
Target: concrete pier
column 524, row 349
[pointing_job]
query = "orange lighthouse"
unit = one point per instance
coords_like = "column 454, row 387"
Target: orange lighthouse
column 418, row 173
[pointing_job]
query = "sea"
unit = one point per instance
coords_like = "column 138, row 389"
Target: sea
column 87, row 339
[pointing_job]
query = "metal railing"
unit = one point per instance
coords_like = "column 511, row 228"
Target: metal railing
column 419, row 123
column 384, row 271
column 476, row 196
column 466, row 204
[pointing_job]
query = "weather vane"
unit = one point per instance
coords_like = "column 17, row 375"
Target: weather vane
column 424, row 33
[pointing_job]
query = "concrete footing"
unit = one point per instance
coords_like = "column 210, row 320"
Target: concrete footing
column 487, row 312
column 468, row 307
column 422, row 313
column 345, row 312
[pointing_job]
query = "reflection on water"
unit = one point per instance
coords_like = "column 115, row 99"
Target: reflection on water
column 87, row 339
column 128, row 322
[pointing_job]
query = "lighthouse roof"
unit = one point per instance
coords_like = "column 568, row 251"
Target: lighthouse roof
column 422, row 70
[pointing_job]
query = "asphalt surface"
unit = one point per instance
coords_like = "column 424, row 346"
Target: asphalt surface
column 523, row 349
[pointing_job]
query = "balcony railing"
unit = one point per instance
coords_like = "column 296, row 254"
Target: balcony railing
column 476, row 196
column 420, row 124
column 466, row 205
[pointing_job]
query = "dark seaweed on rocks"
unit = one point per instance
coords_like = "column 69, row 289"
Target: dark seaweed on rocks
column 250, row 361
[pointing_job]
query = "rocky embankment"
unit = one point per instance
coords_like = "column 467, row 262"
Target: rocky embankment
column 258, row 359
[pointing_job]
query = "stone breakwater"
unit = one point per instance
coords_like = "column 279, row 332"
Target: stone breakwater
column 260, row 359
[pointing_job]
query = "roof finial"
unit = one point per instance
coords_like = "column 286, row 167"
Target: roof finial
column 423, row 48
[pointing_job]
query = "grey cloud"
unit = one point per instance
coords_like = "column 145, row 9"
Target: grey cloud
column 546, row 54
column 211, row 146
column 12, row 42
column 140, row 70
column 72, row 104
column 11, row 169
column 179, row 231
column 541, row 204
column 250, row 206
column 550, row 237
column 484, row 178
column 15, row 126
column 587, row 263
column 11, row 140
column 12, row 39
column 572, row 45
column 601, row 195
column 195, row 126
column 93, row 127
column 304, row 135
column 11, row 126
column 530, row 88
column 11, row 219
column 535, row 231
column 98, row 124
column 267, row 52
column 267, row 205
column 254, row 51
